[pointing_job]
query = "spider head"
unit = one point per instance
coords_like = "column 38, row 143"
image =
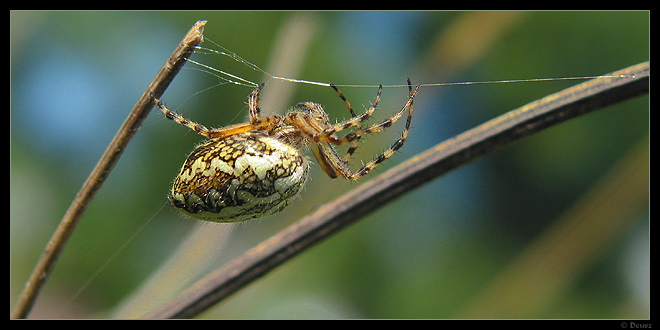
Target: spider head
column 301, row 122
column 313, row 111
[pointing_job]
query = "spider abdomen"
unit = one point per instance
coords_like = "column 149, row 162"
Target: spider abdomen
column 239, row 177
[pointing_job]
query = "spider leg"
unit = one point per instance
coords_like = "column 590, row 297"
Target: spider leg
column 341, row 95
column 388, row 122
column 171, row 115
column 328, row 159
column 259, row 123
column 328, row 134
column 354, row 143
column 253, row 104
column 397, row 145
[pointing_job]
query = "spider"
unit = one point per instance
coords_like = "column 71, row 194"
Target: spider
column 254, row 169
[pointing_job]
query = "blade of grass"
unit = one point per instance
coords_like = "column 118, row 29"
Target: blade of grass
column 100, row 172
column 486, row 138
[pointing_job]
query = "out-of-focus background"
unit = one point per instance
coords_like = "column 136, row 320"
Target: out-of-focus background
column 554, row 226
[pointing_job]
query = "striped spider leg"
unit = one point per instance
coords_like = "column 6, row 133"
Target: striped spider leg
column 330, row 161
column 254, row 169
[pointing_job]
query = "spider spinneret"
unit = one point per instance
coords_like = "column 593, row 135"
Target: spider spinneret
column 254, row 169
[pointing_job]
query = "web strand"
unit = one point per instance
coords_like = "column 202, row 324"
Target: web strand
column 233, row 79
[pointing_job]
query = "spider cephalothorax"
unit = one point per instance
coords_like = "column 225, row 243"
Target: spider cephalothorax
column 254, row 169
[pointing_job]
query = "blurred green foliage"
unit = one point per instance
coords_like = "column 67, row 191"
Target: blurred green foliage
column 75, row 75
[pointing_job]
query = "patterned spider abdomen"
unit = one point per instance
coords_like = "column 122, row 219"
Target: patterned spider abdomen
column 239, row 177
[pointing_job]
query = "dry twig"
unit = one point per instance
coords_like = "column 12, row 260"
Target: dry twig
column 512, row 126
column 100, row 172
